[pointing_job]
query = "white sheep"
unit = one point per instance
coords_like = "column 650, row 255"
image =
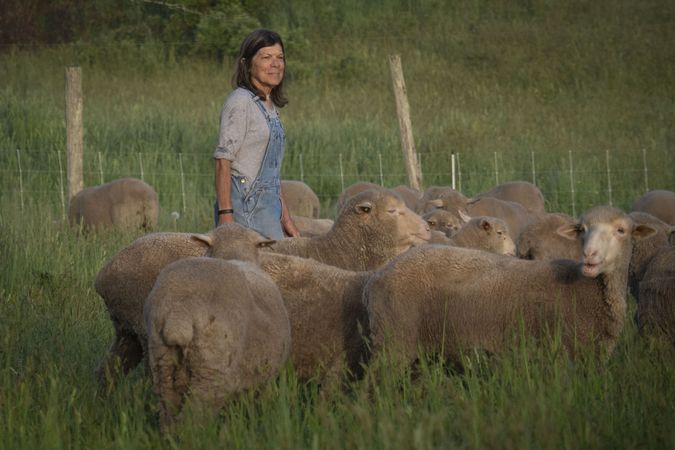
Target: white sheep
column 300, row 199
column 372, row 227
column 410, row 196
column 351, row 191
column 659, row 203
column 656, row 309
column 645, row 249
column 522, row 192
column 329, row 322
column 451, row 300
column 441, row 197
column 539, row 239
column 123, row 203
column 128, row 277
column 514, row 214
column 444, row 221
column 215, row 328
column 310, row 227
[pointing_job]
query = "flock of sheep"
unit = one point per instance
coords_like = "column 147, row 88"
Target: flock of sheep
column 397, row 271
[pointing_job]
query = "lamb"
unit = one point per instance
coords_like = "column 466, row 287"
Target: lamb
column 128, row 277
column 659, row 203
column 656, row 308
column 300, row 199
column 539, row 239
column 451, row 300
column 523, row 192
column 441, row 197
column 329, row 323
column 123, row 203
column 215, row 328
column 373, row 227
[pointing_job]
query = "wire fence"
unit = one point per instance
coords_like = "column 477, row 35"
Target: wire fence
column 570, row 182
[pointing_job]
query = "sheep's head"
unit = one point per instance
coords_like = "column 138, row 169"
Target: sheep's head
column 383, row 215
column 233, row 241
column 443, row 221
column 606, row 235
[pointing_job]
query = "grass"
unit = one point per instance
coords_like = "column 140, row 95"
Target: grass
column 487, row 80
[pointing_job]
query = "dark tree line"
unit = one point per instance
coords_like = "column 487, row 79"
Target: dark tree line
column 212, row 28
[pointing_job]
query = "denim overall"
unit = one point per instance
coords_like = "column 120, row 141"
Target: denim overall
column 258, row 205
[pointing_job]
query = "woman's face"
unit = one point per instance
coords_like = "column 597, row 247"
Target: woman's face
column 267, row 68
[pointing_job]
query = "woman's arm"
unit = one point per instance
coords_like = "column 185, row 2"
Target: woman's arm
column 286, row 222
column 223, row 189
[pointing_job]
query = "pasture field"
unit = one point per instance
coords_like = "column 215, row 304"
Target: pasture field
column 583, row 89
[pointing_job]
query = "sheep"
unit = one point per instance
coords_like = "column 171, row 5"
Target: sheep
column 128, row 276
column 123, row 203
column 656, row 309
column 351, row 191
column 441, row 197
column 539, row 239
column 444, row 221
column 644, row 250
column 514, row 214
column 215, row 328
column 490, row 234
column 451, row 300
column 300, row 199
column 373, row 227
column 659, row 203
column 410, row 196
column 309, row 227
column 523, row 192
column 328, row 319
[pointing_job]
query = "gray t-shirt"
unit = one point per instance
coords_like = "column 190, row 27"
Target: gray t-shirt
column 244, row 134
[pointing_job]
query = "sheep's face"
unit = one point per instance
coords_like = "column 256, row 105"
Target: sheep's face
column 233, row 241
column 384, row 213
column 606, row 236
column 443, row 221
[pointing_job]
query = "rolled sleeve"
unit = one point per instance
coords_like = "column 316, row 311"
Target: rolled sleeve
column 233, row 122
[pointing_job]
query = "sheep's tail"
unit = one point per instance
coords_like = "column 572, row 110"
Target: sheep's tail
column 169, row 368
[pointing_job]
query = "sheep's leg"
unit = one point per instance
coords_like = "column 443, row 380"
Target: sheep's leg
column 125, row 353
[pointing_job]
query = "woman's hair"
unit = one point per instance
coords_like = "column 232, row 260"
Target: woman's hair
column 255, row 41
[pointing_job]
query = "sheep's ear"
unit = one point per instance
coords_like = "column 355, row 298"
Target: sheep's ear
column 203, row 238
column 436, row 203
column 265, row 243
column 643, row 231
column 485, row 225
column 671, row 235
column 569, row 231
column 464, row 216
column 363, row 208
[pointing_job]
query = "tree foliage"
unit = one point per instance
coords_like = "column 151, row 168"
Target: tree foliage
column 211, row 28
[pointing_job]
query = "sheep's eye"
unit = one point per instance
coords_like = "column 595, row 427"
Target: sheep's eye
column 621, row 230
column 431, row 222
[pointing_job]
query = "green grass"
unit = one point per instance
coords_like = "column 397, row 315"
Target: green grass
column 485, row 79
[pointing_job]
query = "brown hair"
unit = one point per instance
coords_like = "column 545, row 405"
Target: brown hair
column 255, row 41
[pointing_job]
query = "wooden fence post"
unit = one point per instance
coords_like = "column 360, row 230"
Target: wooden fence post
column 405, row 126
column 74, row 129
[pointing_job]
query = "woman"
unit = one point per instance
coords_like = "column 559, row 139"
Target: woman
column 251, row 141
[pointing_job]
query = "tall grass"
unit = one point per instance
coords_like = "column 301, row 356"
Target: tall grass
column 483, row 78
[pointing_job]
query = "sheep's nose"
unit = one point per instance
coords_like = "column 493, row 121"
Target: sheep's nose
column 590, row 252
